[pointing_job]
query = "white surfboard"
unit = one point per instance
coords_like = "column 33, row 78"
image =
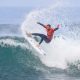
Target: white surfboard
column 34, row 44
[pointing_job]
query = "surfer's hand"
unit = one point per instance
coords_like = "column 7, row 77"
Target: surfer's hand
column 58, row 26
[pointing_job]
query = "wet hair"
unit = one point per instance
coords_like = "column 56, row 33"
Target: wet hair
column 49, row 25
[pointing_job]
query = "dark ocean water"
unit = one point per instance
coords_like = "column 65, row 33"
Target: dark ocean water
column 17, row 63
column 20, row 63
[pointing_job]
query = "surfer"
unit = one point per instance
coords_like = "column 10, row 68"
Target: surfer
column 50, row 31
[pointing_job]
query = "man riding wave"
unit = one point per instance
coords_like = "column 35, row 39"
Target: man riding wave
column 50, row 32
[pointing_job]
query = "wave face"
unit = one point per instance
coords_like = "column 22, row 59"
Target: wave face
column 18, row 60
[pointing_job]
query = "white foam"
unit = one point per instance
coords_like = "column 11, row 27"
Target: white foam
column 60, row 50
column 12, row 42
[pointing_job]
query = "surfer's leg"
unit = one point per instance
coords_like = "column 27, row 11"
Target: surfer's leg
column 37, row 34
column 41, row 41
column 43, row 37
column 46, row 39
column 40, row 35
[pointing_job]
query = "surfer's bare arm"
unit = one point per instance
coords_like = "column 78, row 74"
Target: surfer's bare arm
column 41, row 24
column 57, row 27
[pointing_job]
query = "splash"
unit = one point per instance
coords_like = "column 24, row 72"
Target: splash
column 63, row 48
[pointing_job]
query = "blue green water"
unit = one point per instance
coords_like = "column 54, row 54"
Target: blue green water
column 19, row 63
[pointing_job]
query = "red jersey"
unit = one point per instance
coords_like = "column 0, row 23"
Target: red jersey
column 50, row 32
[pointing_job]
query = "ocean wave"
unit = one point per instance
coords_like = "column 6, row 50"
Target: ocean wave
column 17, row 50
column 20, row 48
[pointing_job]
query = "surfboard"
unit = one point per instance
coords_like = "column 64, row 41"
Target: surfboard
column 34, row 44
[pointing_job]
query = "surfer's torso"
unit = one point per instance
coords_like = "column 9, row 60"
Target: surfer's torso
column 50, row 32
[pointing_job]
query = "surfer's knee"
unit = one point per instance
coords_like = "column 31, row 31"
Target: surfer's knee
column 48, row 41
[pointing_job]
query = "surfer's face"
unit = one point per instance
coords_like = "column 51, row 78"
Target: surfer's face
column 48, row 27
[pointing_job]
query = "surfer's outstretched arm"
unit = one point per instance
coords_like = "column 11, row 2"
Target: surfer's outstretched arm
column 57, row 27
column 41, row 24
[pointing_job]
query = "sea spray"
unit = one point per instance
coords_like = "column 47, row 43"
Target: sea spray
column 63, row 48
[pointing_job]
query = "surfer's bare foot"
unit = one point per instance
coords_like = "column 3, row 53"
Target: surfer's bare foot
column 38, row 45
column 29, row 34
